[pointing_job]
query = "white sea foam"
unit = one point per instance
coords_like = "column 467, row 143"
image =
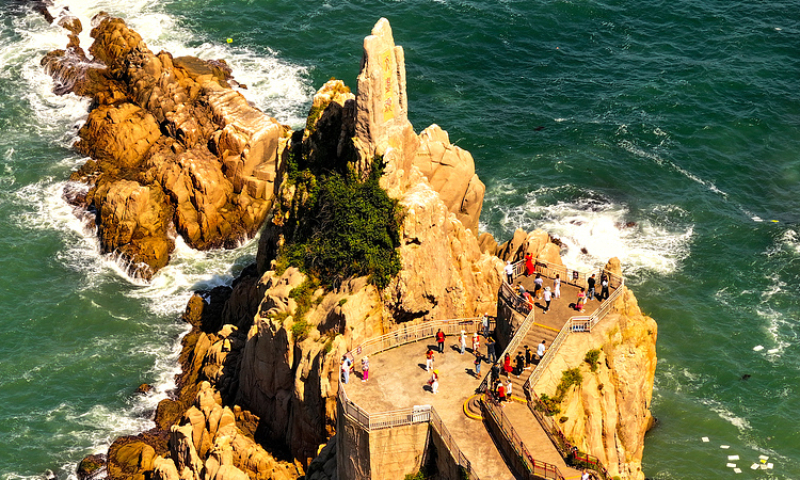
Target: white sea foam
column 740, row 423
column 657, row 242
column 632, row 148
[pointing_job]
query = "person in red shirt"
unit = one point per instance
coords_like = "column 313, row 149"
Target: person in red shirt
column 507, row 365
column 501, row 394
column 429, row 360
column 440, row 340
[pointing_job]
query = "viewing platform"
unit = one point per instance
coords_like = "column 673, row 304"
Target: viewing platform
column 395, row 419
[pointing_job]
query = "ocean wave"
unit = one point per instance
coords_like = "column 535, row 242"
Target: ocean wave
column 741, row 424
column 593, row 229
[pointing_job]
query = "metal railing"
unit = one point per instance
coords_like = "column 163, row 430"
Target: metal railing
column 564, row 446
column 535, row 469
column 413, row 415
column 512, row 346
column 575, row 324
column 452, row 447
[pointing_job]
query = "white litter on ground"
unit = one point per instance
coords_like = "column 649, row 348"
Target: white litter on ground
column 730, row 465
column 754, row 466
column 758, row 348
column 733, row 457
column 725, row 446
column 769, row 466
column 705, row 439
column 763, row 458
column 737, row 470
column 773, row 350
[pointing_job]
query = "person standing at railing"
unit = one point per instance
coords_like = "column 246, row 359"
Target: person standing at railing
column 463, row 341
column 508, row 390
column 476, row 342
column 529, row 267
column 590, row 290
column 557, row 287
column 345, row 370
column 485, row 321
column 364, row 369
column 478, row 361
column 495, row 373
column 429, row 360
column 491, row 356
column 520, row 364
column 509, row 269
column 604, row 287
column 501, row 394
column 540, row 351
column 507, row 365
column 440, row 340
column 547, row 297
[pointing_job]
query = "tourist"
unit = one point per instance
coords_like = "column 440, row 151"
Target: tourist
column 490, row 353
column 434, row 382
column 541, row 350
column 547, row 297
column 501, row 394
column 509, row 269
column 507, row 365
column 520, row 364
column 478, row 360
column 476, row 342
column 585, row 475
column 604, row 284
column 463, row 341
column 557, row 287
column 440, row 340
column 508, row 390
column 528, row 357
column 346, row 370
column 537, row 282
column 581, row 300
column 529, row 267
column 429, row 360
column 590, row 290
column 529, row 300
column 485, row 321
column 495, row 373
column 364, row 369
column 521, row 290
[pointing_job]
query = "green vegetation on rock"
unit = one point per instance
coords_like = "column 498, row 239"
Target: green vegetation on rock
column 344, row 226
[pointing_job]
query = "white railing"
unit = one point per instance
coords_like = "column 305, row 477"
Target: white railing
column 397, row 418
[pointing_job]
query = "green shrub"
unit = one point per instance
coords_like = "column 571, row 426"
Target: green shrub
column 345, row 226
column 592, row 358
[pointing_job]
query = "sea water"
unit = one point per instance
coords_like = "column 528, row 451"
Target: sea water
column 663, row 133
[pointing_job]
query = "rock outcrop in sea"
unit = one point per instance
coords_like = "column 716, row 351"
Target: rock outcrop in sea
column 175, row 149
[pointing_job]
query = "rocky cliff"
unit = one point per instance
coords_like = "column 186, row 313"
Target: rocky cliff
column 174, row 149
column 608, row 413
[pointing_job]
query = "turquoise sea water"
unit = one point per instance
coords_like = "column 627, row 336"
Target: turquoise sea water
column 683, row 117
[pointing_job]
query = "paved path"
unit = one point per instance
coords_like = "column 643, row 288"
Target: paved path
column 398, row 380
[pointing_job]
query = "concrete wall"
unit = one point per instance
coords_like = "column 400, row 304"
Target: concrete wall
column 446, row 465
column 379, row 455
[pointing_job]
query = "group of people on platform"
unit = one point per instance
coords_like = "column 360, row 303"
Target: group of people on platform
column 541, row 292
column 522, row 361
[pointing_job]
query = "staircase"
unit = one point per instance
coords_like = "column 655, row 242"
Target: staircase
column 536, row 334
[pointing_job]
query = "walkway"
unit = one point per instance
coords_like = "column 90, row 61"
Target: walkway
column 398, row 380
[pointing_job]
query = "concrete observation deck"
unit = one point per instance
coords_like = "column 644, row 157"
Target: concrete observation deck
column 398, row 380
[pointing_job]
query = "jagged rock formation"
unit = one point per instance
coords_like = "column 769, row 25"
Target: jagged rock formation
column 172, row 135
column 608, row 414
column 176, row 151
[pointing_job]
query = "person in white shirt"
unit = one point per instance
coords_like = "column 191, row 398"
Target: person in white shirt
column 540, row 351
column 509, row 269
